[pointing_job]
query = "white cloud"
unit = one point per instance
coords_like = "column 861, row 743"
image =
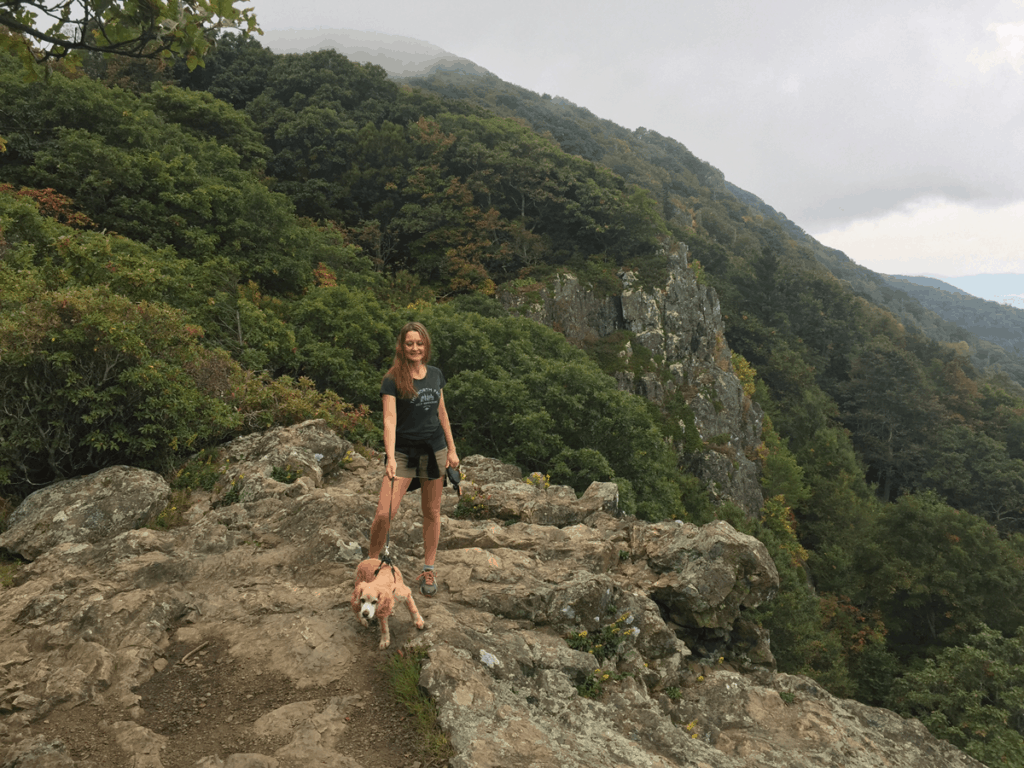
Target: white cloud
column 1010, row 50
column 935, row 237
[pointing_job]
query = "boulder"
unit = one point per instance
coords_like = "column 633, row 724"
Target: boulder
column 39, row 752
column 704, row 576
column 535, row 502
column 286, row 462
column 85, row 510
column 482, row 470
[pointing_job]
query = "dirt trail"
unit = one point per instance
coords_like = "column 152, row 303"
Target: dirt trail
column 209, row 704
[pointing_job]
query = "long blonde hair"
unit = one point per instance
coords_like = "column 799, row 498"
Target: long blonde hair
column 400, row 369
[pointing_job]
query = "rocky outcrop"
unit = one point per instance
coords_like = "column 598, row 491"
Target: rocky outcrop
column 85, row 510
column 690, row 372
column 563, row 634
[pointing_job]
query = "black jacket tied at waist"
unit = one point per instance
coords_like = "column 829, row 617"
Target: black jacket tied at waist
column 415, row 452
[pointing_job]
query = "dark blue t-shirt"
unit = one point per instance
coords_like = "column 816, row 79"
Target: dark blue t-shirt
column 418, row 421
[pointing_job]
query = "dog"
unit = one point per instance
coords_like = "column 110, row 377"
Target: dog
column 374, row 597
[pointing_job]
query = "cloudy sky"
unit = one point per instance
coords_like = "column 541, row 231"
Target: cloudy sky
column 892, row 130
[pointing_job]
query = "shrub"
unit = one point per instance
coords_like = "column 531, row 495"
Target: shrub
column 472, row 506
column 607, row 642
column 173, row 515
column 7, row 570
column 263, row 402
column 89, row 379
column 6, row 508
column 285, row 474
column 200, row 472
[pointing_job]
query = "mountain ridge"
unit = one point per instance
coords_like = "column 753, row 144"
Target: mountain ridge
column 931, row 282
column 995, row 322
column 1002, row 287
column 399, row 56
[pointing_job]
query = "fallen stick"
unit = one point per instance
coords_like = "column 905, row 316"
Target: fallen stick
column 194, row 650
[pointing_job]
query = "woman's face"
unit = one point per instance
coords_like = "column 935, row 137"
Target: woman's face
column 414, row 347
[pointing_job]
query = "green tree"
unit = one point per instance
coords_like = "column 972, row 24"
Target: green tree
column 936, row 572
column 973, row 472
column 207, row 117
column 890, row 409
column 59, row 29
column 244, row 321
column 235, row 72
column 781, row 475
column 344, row 340
column 136, row 171
column 972, row 696
column 864, row 651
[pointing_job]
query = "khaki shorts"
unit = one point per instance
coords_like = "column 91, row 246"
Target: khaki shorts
column 404, row 470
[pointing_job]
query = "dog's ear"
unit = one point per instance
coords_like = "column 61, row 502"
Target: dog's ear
column 385, row 605
column 356, row 594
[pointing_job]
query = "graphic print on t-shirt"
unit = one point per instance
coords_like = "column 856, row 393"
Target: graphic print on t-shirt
column 427, row 399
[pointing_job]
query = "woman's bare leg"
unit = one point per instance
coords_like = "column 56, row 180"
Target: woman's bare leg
column 431, row 504
column 390, row 498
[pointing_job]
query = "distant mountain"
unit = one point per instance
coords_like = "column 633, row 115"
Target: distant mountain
column 931, row 282
column 398, row 56
column 1002, row 288
column 999, row 324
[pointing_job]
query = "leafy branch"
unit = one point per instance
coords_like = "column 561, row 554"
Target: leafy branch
column 62, row 29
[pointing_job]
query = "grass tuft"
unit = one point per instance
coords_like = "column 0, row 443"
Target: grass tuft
column 8, row 567
column 403, row 673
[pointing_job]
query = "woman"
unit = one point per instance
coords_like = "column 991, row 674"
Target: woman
column 418, row 443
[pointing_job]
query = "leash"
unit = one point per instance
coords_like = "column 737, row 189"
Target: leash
column 385, row 556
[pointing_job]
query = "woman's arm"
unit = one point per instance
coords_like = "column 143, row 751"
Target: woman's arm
column 442, row 415
column 390, row 424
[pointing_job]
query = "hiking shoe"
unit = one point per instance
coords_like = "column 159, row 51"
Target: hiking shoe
column 427, row 584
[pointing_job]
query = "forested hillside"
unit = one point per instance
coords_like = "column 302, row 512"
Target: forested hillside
column 187, row 256
column 694, row 195
column 998, row 324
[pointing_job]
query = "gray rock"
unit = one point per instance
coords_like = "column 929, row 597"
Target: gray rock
column 576, row 644
column 38, row 752
column 704, row 577
column 89, row 509
column 239, row 760
column 556, row 505
column 309, row 452
column 485, row 471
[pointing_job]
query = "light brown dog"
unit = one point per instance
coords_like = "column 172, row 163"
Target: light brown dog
column 374, row 597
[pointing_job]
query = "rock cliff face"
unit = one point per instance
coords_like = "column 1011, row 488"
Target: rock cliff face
column 562, row 634
column 686, row 366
